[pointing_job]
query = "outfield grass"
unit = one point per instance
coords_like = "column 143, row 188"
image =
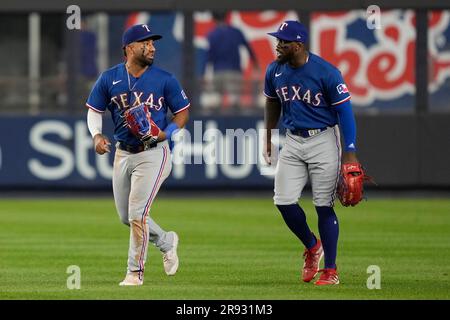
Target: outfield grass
column 229, row 249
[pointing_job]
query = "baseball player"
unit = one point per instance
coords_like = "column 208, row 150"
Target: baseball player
column 139, row 169
column 313, row 99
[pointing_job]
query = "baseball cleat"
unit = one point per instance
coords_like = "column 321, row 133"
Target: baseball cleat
column 132, row 279
column 328, row 276
column 312, row 261
column 170, row 258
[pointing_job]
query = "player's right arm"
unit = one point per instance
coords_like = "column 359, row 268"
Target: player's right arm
column 272, row 112
column 271, row 117
column 101, row 142
column 96, row 103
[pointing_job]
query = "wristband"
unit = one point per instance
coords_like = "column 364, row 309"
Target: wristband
column 170, row 130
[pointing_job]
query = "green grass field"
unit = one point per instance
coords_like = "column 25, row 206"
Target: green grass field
column 229, row 249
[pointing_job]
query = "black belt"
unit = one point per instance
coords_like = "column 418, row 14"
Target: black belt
column 133, row 149
column 306, row 133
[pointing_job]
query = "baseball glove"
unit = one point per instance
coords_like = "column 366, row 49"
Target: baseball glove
column 139, row 121
column 350, row 184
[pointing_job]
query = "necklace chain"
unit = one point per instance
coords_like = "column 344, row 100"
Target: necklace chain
column 129, row 81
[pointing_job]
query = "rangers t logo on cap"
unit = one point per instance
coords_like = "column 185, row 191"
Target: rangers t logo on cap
column 291, row 31
column 138, row 32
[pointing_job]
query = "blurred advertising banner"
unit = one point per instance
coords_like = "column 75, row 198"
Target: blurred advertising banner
column 58, row 152
column 378, row 64
column 439, row 55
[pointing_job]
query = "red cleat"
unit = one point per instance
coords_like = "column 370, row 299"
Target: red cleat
column 312, row 261
column 328, row 276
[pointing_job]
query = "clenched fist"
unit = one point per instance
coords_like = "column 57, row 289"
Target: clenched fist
column 101, row 144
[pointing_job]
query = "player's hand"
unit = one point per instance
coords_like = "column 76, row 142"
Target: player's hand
column 350, row 157
column 161, row 136
column 101, row 144
column 267, row 152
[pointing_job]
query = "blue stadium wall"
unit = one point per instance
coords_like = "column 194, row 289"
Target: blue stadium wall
column 56, row 152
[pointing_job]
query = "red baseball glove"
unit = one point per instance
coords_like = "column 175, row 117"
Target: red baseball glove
column 139, row 121
column 350, row 185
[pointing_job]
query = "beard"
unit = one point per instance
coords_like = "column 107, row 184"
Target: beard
column 143, row 61
column 283, row 56
column 282, row 59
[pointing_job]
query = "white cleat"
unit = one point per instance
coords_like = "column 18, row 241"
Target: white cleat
column 170, row 258
column 132, row 279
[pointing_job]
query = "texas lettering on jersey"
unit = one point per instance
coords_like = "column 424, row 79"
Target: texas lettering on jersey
column 294, row 93
column 123, row 101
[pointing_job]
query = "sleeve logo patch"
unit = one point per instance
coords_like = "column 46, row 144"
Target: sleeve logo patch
column 342, row 88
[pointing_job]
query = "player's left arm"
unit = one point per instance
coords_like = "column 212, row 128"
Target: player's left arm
column 179, row 121
column 352, row 174
column 339, row 98
column 178, row 104
column 347, row 126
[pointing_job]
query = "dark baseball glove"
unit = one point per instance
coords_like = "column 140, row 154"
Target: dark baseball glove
column 139, row 121
column 351, row 184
